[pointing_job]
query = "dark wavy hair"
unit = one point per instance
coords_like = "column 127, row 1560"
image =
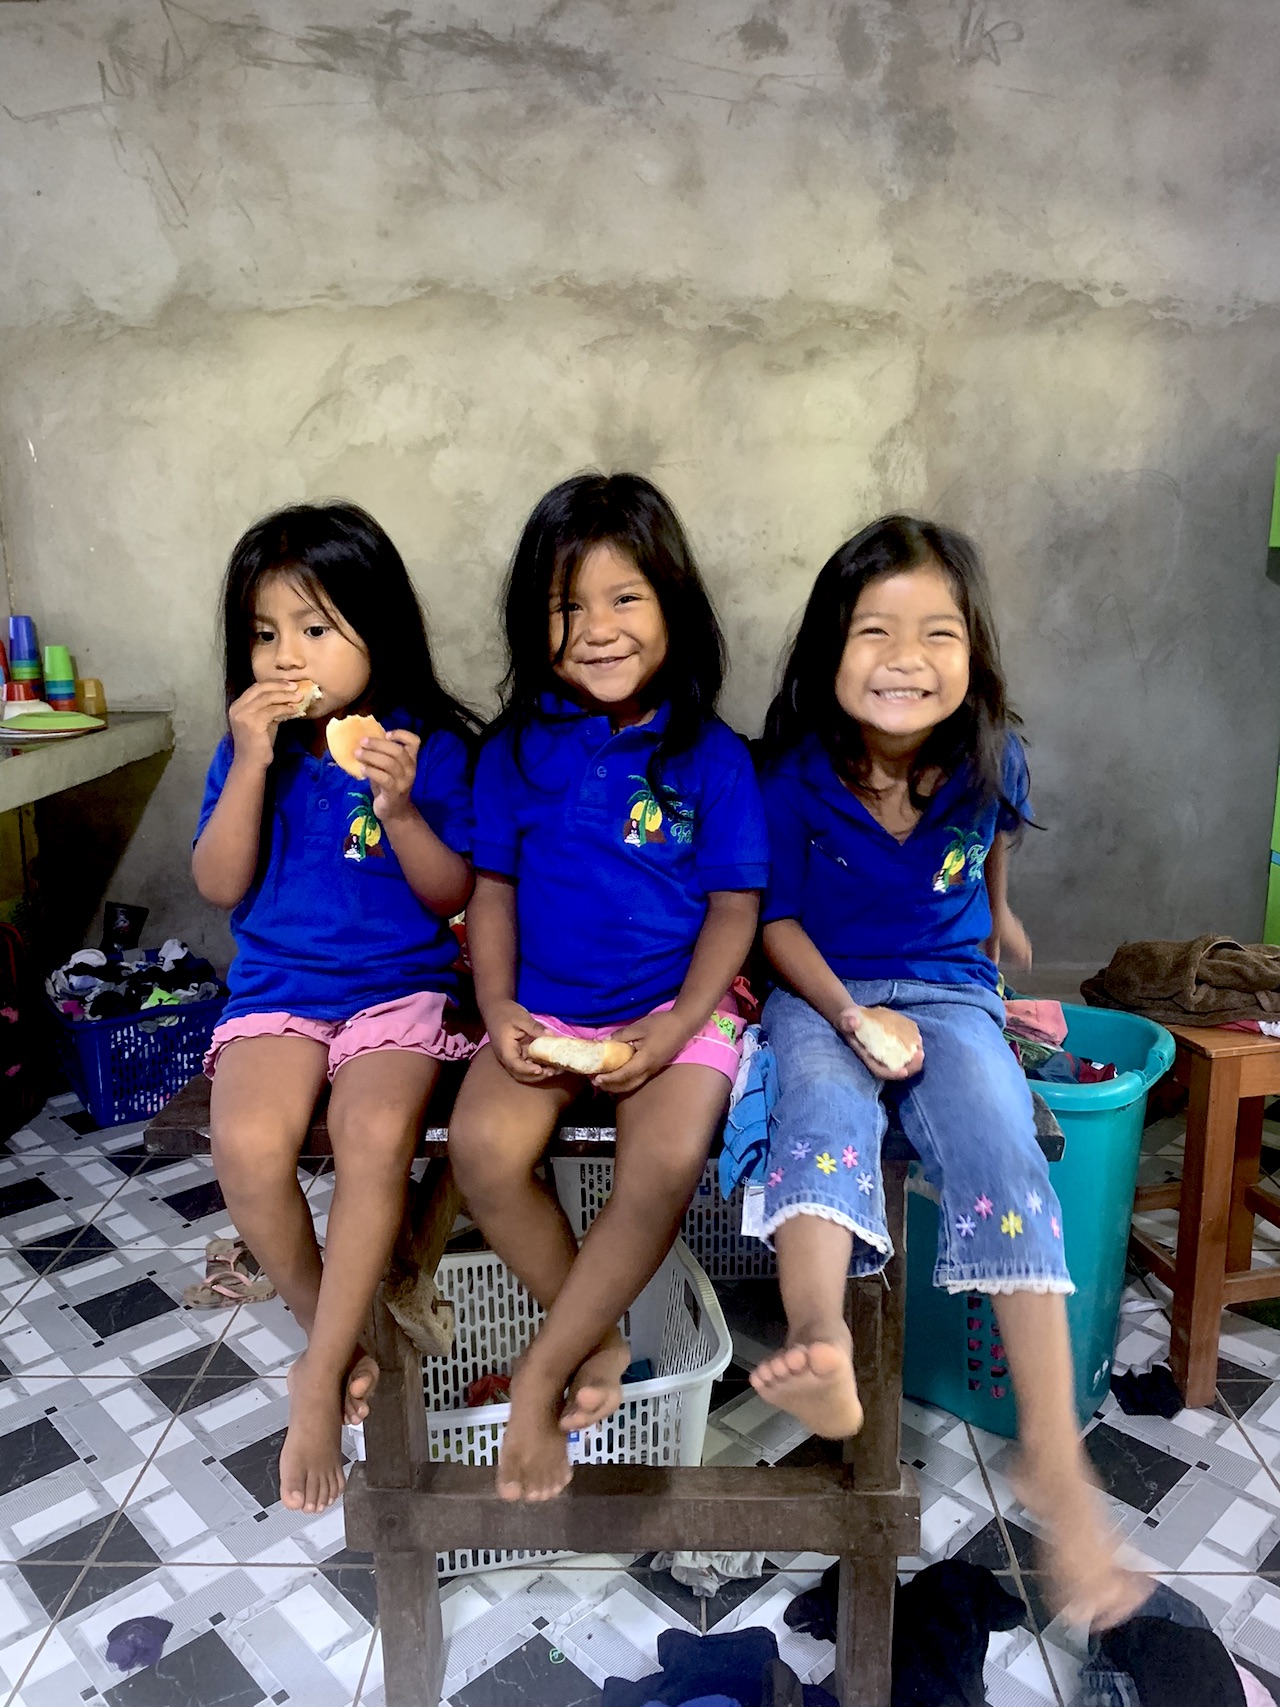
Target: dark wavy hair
column 629, row 513
column 973, row 737
column 349, row 566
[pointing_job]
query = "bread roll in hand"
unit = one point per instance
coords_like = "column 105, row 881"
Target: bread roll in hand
column 579, row 1054
column 344, row 735
column 891, row 1038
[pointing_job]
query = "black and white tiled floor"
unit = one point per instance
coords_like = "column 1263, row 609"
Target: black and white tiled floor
column 137, row 1458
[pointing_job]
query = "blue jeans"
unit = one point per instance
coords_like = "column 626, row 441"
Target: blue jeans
column 967, row 1115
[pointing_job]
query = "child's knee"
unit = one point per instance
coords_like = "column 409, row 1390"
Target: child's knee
column 482, row 1162
column 378, row 1142
column 254, row 1155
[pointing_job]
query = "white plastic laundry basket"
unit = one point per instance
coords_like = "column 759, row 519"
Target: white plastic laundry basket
column 712, row 1226
column 676, row 1323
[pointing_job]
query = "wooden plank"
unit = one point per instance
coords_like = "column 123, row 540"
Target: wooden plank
column 1260, row 1073
column 1201, row 1261
column 864, row 1631
column 1152, row 1256
column 1148, row 1197
column 1250, row 1285
column 1265, row 1203
column 641, row 1508
column 1244, row 1175
column 1215, row 1043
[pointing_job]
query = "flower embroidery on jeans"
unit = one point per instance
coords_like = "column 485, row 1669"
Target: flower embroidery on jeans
column 850, row 1156
column 799, row 1152
column 866, row 1185
column 966, row 1226
column 1011, row 1224
column 1055, row 1226
column 775, row 1178
column 984, row 1207
column 826, row 1162
column 1035, row 1203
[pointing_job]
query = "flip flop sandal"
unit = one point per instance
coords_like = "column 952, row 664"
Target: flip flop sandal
column 231, row 1277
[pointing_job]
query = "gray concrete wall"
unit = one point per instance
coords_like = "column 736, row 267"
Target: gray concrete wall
column 1014, row 264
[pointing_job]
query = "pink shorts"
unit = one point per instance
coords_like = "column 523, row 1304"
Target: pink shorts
column 416, row 1023
column 718, row 1044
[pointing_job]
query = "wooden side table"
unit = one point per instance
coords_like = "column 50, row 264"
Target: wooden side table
column 1229, row 1075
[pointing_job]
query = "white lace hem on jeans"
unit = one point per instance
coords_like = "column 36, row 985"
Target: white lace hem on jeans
column 823, row 1212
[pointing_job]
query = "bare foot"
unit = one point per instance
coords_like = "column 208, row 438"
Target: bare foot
column 1088, row 1584
column 362, row 1378
column 311, row 1473
column 533, row 1463
column 815, row 1383
column 596, row 1390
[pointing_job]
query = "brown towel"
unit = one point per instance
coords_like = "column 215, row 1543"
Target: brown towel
column 1210, row 981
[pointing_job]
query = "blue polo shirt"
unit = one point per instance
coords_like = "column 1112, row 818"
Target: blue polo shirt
column 611, row 889
column 874, row 907
column 331, row 926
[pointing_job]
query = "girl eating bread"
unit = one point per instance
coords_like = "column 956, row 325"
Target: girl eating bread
column 336, row 826
column 620, row 851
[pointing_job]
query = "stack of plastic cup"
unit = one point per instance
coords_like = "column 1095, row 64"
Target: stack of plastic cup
column 24, row 655
column 59, row 678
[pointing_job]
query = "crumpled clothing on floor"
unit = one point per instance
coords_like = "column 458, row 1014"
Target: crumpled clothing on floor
column 95, row 985
column 1165, row 1657
column 739, row 1665
column 941, row 1621
column 1150, row 1393
column 707, row 1573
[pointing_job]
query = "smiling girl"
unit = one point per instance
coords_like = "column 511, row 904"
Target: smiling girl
column 340, row 891
column 619, row 852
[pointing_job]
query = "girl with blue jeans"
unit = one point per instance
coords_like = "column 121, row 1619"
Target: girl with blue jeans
column 893, row 785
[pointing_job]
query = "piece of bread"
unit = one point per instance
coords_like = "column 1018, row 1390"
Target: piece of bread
column 888, row 1036
column 579, row 1054
column 309, row 694
column 344, row 735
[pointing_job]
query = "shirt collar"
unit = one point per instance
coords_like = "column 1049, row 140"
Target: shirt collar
column 562, row 709
column 818, row 768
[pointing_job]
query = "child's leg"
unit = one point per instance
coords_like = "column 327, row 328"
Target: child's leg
column 264, row 1090
column 497, row 1134
column 813, row 1376
column 664, row 1132
column 374, row 1114
column 823, row 1186
column 1055, row 1484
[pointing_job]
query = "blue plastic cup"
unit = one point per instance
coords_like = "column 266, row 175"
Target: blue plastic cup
column 22, row 641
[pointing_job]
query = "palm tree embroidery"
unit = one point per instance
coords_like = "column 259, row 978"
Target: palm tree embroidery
column 645, row 818
column 963, row 860
column 364, row 832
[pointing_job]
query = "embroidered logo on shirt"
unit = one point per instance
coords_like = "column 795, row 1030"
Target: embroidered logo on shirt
column 725, row 1026
column 962, row 862
column 644, row 822
column 364, row 832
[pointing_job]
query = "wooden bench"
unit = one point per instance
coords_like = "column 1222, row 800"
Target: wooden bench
column 862, row 1507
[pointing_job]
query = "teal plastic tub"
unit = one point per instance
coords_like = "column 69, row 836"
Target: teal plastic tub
column 954, row 1357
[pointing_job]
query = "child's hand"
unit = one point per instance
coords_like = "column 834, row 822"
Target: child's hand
column 391, row 765
column 656, row 1039
column 511, row 1027
column 846, row 1025
column 255, row 717
column 1009, row 939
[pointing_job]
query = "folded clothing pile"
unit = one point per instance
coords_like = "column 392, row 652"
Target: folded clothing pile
column 98, row 985
column 1036, row 1031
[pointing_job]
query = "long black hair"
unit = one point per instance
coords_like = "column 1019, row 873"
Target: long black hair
column 628, row 512
column 348, row 565
column 973, row 737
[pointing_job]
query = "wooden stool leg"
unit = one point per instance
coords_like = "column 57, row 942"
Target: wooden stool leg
column 1248, row 1166
column 1203, row 1226
column 877, row 1318
column 395, row 1442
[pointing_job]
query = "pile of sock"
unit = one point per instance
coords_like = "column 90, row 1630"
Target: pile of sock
column 98, row 985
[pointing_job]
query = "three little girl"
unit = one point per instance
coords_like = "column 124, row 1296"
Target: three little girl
column 620, row 852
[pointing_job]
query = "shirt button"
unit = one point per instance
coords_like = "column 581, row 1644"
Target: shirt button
column 322, row 805
column 602, row 770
